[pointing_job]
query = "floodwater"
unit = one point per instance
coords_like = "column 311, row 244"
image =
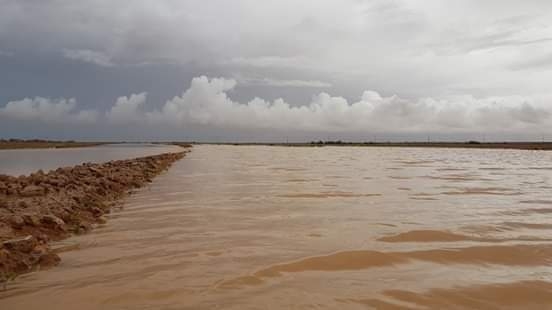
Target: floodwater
column 258, row 227
column 24, row 161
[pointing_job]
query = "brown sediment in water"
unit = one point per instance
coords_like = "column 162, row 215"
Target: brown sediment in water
column 415, row 162
column 426, row 236
column 525, row 294
column 374, row 303
column 515, row 225
column 397, row 177
column 500, row 191
column 539, row 210
column 327, row 194
column 543, row 202
column 510, row 255
column 41, row 207
column 528, row 211
column 423, row 198
column 458, row 177
column 299, row 180
column 447, row 236
column 351, row 260
column 316, row 235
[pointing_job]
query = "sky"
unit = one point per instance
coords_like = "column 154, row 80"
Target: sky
column 250, row 70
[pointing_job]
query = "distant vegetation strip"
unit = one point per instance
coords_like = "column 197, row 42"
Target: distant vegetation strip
column 526, row 145
column 43, row 144
column 467, row 144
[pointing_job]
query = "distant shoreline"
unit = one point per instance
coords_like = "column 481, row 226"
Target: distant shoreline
column 545, row 146
column 13, row 144
column 43, row 144
column 524, row 145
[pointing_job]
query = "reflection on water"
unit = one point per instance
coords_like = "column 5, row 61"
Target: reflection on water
column 254, row 227
column 24, row 161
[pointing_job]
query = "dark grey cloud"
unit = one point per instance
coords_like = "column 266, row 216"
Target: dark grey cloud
column 458, row 54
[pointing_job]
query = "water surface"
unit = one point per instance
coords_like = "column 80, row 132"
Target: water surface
column 257, row 227
column 25, row 161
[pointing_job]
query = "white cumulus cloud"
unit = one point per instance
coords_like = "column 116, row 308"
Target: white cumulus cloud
column 206, row 102
column 127, row 109
column 47, row 110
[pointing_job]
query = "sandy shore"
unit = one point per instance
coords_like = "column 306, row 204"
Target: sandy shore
column 41, row 207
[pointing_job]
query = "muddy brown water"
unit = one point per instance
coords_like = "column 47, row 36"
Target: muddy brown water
column 258, row 227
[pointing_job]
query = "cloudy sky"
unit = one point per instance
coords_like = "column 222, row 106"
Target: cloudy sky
column 253, row 70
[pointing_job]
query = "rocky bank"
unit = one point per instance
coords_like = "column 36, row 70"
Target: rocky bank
column 42, row 207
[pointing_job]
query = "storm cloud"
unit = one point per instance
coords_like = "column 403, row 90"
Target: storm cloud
column 405, row 66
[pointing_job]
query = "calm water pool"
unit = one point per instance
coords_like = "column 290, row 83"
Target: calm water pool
column 25, row 161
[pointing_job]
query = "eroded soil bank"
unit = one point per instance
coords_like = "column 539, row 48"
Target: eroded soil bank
column 41, row 207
